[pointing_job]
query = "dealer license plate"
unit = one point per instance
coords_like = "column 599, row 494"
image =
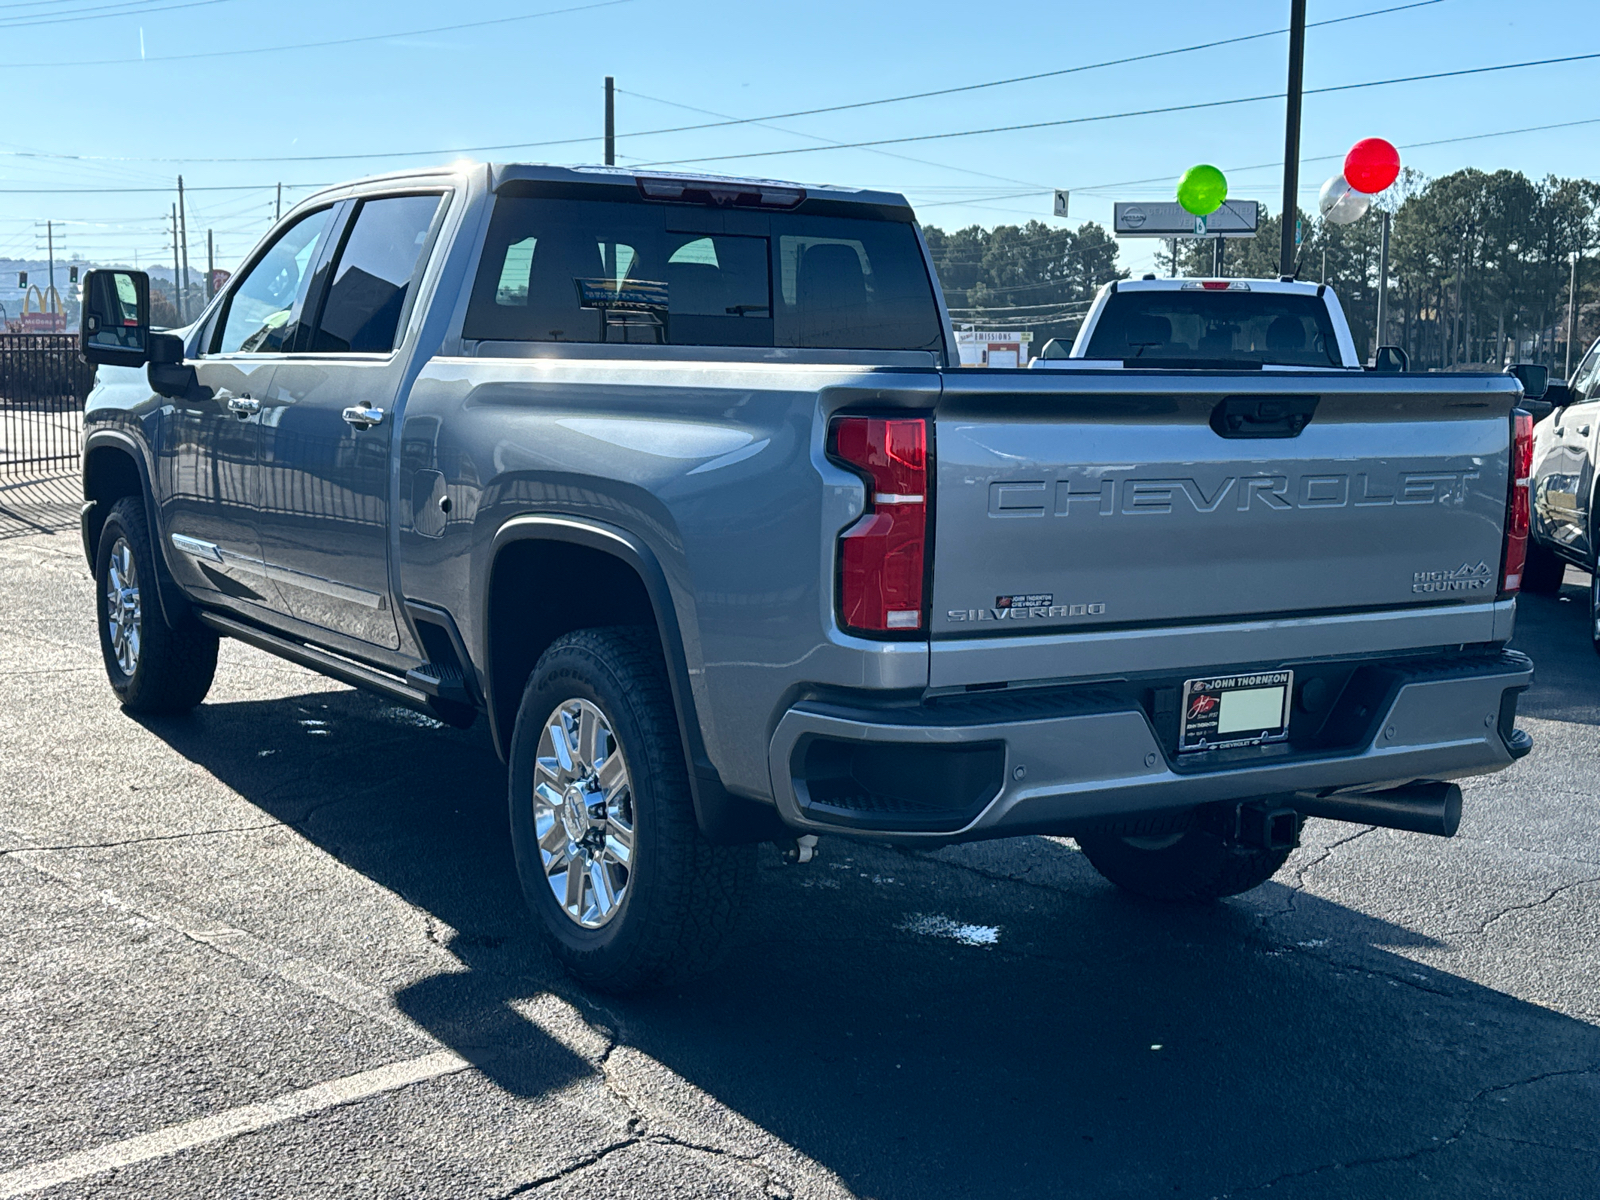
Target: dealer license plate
column 1235, row 710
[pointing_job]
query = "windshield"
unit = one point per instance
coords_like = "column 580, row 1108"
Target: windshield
column 559, row 270
column 1247, row 328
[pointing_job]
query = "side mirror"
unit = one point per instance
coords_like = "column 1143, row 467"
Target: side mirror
column 115, row 324
column 1558, row 394
column 1391, row 360
column 1534, row 378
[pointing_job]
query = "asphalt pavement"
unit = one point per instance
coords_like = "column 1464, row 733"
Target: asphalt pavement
column 276, row 948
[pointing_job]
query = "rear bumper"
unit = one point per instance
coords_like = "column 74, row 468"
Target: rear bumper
column 1070, row 760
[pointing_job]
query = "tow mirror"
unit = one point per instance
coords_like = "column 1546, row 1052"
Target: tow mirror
column 1535, row 379
column 1391, row 360
column 115, row 321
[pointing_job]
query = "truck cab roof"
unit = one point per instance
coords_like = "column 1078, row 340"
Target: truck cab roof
column 691, row 187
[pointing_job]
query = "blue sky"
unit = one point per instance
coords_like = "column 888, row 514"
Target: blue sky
column 137, row 124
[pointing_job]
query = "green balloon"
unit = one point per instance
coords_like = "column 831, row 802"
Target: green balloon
column 1202, row 190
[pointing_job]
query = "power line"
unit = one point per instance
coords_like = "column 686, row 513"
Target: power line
column 1126, row 183
column 729, row 121
column 102, row 13
column 85, row 191
column 349, row 41
column 1143, row 112
column 818, row 138
column 972, row 87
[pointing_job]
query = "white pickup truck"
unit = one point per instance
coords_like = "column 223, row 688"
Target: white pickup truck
column 1210, row 324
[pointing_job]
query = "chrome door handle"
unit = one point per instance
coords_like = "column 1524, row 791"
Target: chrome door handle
column 243, row 406
column 363, row 417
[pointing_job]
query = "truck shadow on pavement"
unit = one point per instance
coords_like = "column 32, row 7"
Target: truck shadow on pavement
column 980, row 1021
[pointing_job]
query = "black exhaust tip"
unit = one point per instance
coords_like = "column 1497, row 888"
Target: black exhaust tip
column 1425, row 806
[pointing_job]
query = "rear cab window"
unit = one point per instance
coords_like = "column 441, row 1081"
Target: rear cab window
column 1215, row 328
column 639, row 272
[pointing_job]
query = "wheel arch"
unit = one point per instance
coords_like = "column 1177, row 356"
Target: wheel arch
column 114, row 466
column 623, row 583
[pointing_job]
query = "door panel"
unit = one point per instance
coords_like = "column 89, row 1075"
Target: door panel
column 326, row 429
column 325, row 496
column 211, row 483
column 212, row 445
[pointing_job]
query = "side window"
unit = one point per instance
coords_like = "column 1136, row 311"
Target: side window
column 374, row 275
column 265, row 308
column 1585, row 377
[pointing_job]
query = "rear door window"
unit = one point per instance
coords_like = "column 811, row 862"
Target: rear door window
column 374, row 275
column 616, row 272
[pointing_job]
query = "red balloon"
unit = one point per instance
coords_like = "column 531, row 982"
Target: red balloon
column 1372, row 165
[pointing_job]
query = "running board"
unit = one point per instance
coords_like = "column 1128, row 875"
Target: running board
column 331, row 665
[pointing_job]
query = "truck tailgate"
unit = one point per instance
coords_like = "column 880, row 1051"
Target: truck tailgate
column 1073, row 501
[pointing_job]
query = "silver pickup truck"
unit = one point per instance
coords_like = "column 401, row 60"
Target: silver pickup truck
column 675, row 481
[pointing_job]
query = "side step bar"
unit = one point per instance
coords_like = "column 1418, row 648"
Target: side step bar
column 1425, row 806
column 322, row 662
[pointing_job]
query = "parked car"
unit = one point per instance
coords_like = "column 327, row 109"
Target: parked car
column 1566, row 511
column 674, row 481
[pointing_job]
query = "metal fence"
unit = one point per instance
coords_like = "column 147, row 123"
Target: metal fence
column 43, row 384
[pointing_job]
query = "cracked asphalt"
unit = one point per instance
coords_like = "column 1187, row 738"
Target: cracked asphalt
column 221, row 931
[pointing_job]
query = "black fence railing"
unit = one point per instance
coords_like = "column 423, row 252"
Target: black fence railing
column 43, row 384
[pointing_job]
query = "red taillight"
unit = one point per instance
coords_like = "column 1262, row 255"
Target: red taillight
column 1214, row 285
column 1518, row 512
column 881, row 556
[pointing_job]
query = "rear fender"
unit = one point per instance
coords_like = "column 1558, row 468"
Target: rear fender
column 723, row 817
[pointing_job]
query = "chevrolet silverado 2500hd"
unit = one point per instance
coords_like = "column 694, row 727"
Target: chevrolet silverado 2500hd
column 674, row 481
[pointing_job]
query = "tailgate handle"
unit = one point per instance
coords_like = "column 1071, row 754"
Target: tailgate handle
column 1263, row 416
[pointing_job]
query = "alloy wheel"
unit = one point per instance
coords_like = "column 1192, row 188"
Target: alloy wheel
column 583, row 813
column 124, row 617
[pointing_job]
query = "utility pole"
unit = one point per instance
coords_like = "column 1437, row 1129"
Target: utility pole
column 183, row 222
column 175, row 263
column 1216, row 258
column 50, row 242
column 1383, row 279
column 277, row 213
column 611, row 121
column 1572, row 314
column 1291, row 134
column 211, row 266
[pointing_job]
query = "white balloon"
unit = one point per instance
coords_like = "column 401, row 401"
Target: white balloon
column 1340, row 203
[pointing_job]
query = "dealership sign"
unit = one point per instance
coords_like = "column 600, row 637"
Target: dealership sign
column 1168, row 219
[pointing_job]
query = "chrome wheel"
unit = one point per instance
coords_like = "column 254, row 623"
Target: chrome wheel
column 583, row 814
column 124, row 620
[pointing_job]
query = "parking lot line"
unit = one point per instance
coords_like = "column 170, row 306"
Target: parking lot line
column 235, row 1121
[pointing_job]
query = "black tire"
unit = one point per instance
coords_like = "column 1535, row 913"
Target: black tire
column 1594, row 603
column 1196, row 864
column 680, row 897
column 169, row 670
column 1543, row 572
